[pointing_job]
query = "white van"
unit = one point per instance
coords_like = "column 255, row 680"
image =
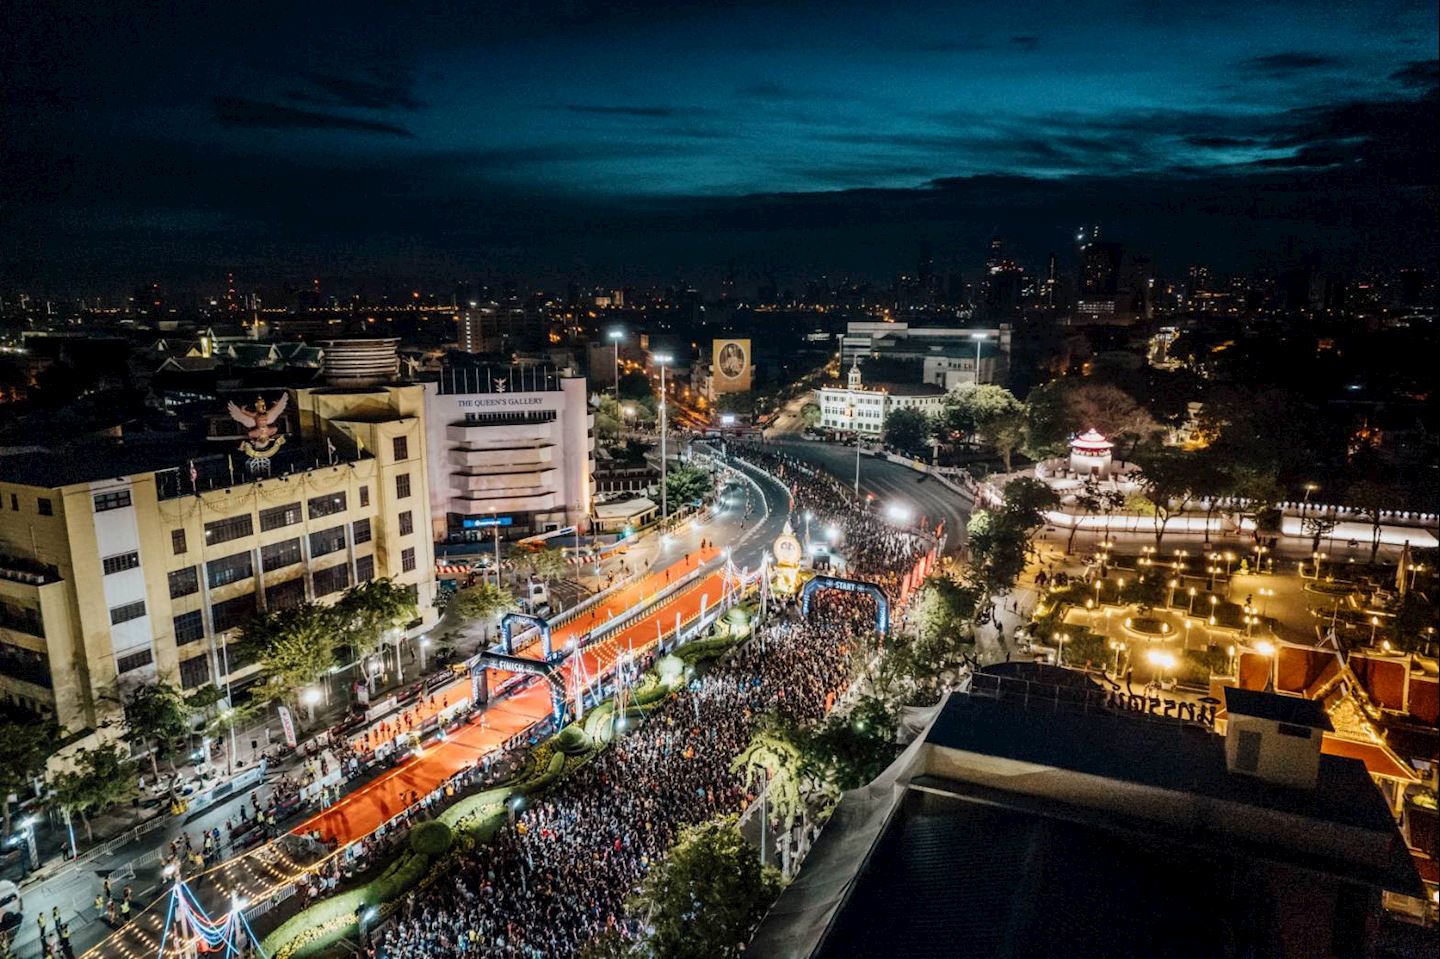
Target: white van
column 11, row 907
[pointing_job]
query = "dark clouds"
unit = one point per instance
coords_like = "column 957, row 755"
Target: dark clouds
column 361, row 139
column 1277, row 64
column 242, row 113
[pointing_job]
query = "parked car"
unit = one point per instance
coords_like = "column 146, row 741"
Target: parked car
column 11, row 906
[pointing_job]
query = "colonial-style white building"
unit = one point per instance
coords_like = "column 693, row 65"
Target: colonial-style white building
column 857, row 408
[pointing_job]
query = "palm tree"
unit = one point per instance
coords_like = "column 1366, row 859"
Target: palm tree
column 774, row 751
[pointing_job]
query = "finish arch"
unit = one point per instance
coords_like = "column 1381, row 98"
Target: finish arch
column 507, row 626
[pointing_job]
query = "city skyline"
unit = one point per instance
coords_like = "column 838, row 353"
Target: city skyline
column 641, row 142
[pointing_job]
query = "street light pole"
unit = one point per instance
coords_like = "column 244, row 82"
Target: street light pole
column 979, row 338
column 615, row 337
column 664, row 458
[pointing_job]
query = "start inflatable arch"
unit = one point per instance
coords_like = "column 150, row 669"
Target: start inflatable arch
column 822, row 583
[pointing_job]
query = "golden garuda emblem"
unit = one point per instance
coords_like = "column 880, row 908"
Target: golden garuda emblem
column 262, row 439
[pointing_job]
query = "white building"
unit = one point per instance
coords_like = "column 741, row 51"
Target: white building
column 950, row 354
column 511, row 447
column 857, row 408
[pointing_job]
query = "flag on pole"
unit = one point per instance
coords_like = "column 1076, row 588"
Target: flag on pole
column 330, row 447
column 194, row 477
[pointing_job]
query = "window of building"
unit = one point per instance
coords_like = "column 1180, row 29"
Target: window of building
column 231, row 569
column 279, row 555
column 127, row 612
column 364, row 569
column 46, row 507
column 189, row 628
column 402, row 447
column 327, row 505
column 177, row 541
column 285, row 595
column 364, row 496
column 407, row 560
column 15, row 501
column 327, row 541
column 332, row 580
column 184, row 582
column 108, row 501
column 120, row 562
column 232, row 612
column 26, row 619
column 133, row 661
column 360, row 531
column 402, row 485
column 407, row 523
column 278, row 517
column 224, row 530
column 194, row 672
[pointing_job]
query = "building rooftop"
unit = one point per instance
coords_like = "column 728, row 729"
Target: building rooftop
column 952, row 878
column 1169, row 756
column 894, row 389
column 1281, row 709
column 168, row 455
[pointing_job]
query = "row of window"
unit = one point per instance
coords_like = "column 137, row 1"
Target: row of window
column 190, row 627
column 133, row 661
column 232, row 569
column 121, row 562
column 274, row 517
column 43, row 505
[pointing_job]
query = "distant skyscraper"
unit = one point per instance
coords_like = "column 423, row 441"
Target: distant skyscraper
column 232, row 298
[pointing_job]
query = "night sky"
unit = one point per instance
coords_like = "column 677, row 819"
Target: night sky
column 631, row 141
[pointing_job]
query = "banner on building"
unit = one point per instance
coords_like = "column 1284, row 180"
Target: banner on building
column 731, row 366
column 287, row 723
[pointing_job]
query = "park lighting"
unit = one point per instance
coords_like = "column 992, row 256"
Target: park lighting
column 310, row 697
column 1265, row 648
column 1191, row 611
column 1160, row 658
column 898, row 512
column 1374, row 625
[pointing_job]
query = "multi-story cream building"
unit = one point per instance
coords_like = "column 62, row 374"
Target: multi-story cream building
column 138, row 559
column 510, row 447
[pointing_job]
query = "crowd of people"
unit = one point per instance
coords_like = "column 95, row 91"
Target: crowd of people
column 562, row 874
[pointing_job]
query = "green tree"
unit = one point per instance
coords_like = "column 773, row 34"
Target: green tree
column 908, row 430
column 776, row 752
column 1373, row 499
column 368, row 611
column 684, row 484
column 545, row 563
column 609, row 417
column 101, row 778
column 24, row 747
column 635, row 387
column 1168, row 481
column 294, row 647
column 1027, row 500
column 1047, row 422
column 158, row 720
column 810, row 415
column 1113, row 412
column 483, row 601
column 705, row 898
column 848, row 750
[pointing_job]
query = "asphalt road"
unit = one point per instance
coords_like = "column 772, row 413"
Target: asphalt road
column 890, row 483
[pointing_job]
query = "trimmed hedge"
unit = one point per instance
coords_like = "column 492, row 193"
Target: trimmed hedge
column 431, row 838
column 572, row 740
